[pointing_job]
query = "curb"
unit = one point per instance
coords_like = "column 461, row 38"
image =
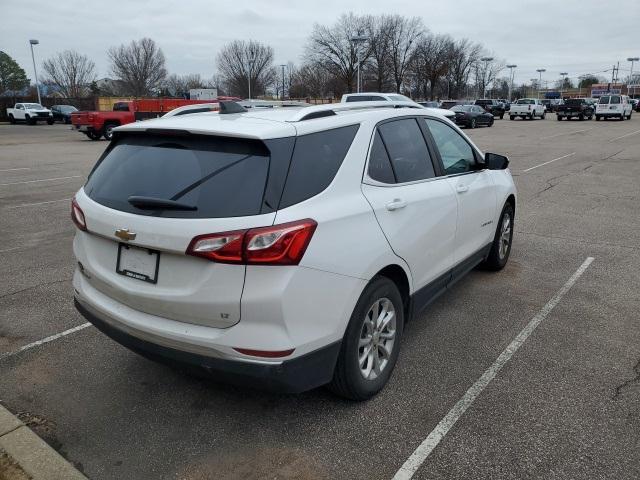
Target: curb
column 31, row 453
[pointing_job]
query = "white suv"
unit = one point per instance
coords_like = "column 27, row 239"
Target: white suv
column 284, row 248
column 614, row 106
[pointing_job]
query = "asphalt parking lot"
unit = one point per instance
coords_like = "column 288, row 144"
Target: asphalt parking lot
column 566, row 405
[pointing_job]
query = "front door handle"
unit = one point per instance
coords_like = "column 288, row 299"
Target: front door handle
column 396, row 204
column 462, row 188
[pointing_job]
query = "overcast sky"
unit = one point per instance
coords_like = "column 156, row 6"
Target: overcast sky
column 577, row 36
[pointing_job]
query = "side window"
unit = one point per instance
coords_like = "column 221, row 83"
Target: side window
column 379, row 164
column 457, row 155
column 407, row 150
column 315, row 162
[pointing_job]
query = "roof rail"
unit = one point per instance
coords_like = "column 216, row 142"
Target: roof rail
column 272, row 103
column 318, row 111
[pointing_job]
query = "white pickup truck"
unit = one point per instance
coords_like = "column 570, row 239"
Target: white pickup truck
column 31, row 113
column 528, row 108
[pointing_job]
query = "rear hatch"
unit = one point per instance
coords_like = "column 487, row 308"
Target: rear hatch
column 134, row 249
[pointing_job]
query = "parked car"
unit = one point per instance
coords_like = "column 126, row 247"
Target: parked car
column 578, row 108
column 492, row 106
column 505, row 103
column 472, row 116
column 63, row 113
column 30, row 113
column 614, row 106
column 328, row 231
column 97, row 124
column 635, row 104
column 528, row 108
column 388, row 97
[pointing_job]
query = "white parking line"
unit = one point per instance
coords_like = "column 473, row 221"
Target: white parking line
column 46, row 340
column 565, row 133
column 550, row 161
column 36, row 181
column 39, row 203
column 14, row 169
column 623, row 136
column 421, row 453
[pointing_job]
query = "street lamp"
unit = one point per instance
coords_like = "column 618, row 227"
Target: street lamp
column 251, row 63
column 511, row 67
column 283, row 67
column 486, row 61
column 540, row 70
column 357, row 39
column 33, row 42
column 564, row 80
column 632, row 60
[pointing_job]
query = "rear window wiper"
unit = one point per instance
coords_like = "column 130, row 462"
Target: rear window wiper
column 152, row 203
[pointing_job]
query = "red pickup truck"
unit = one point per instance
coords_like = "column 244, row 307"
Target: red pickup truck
column 98, row 124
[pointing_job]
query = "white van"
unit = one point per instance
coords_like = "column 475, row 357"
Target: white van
column 614, row 106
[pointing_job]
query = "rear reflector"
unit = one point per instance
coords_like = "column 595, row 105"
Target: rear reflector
column 282, row 244
column 78, row 216
column 265, row 353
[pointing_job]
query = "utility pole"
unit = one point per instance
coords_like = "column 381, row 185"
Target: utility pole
column 33, row 42
column 357, row 39
column 251, row 62
column 510, row 67
column 486, row 61
column 540, row 70
column 283, row 66
column 630, row 82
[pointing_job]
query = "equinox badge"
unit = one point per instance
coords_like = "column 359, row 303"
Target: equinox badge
column 125, row 234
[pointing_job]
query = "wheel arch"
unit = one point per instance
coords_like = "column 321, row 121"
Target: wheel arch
column 400, row 278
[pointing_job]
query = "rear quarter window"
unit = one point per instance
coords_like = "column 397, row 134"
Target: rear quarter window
column 315, row 162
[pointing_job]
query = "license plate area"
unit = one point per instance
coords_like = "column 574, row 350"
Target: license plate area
column 138, row 263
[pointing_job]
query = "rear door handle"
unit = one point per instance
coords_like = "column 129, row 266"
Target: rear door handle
column 396, row 204
column 462, row 188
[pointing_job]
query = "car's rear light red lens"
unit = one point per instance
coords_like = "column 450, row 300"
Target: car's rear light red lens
column 282, row 244
column 219, row 247
column 265, row 353
column 78, row 216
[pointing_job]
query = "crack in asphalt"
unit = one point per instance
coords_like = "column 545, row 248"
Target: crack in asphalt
column 34, row 286
column 625, row 386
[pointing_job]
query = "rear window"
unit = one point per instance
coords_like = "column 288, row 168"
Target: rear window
column 222, row 177
column 616, row 99
column 525, row 101
column 575, row 101
column 315, row 162
column 604, row 100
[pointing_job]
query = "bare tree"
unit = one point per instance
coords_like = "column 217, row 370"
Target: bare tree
column 431, row 62
column 180, row 85
column 246, row 62
column 486, row 72
column 70, row 72
column 463, row 56
column 332, row 48
column 314, row 80
column 378, row 31
column 139, row 65
column 403, row 34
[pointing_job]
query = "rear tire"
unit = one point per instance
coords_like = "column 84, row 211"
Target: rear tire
column 490, row 124
column 50, row 121
column 559, row 117
column 94, row 135
column 472, row 123
column 622, row 117
column 108, row 130
column 12, row 120
column 512, row 117
column 501, row 246
column 597, row 118
column 373, row 331
column 501, row 116
column 543, row 116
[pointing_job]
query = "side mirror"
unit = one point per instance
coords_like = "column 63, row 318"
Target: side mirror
column 493, row 161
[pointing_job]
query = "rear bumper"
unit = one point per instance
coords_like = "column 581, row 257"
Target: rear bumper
column 290, row 376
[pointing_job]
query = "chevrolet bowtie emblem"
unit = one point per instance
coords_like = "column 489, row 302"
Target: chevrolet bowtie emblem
column 125, row 234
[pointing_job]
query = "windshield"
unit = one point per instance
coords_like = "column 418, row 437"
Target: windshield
column 525, row 101
column 33, row 106
column 604, row 100
column 67, row 108
column 461, row 108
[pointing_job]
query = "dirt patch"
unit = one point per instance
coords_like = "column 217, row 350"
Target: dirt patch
column 10, row 470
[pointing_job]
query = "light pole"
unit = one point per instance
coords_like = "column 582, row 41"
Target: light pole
column 251, row 63
column 357, row 39
column 283, row 67
column 511, row 67
column 540, row 70
column 630, row 82
column 33, row 42
column 486, row 61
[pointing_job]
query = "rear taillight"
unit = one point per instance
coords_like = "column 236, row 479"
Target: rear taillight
column 78, row 216
column 282, row 244
column 90, row 117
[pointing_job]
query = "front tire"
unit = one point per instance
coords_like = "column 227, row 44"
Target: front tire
column 501, row 246
column 543, row 116
column 50, row 121
column 12, row 120
column 29, row 120
column 371, row 344
column 94, row 135
column 108, row 130
column 472, row 123
column 597, row 118
column 512, row 117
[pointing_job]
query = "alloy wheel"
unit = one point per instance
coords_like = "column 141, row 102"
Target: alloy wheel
column 377, row 338
column 505, row 236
